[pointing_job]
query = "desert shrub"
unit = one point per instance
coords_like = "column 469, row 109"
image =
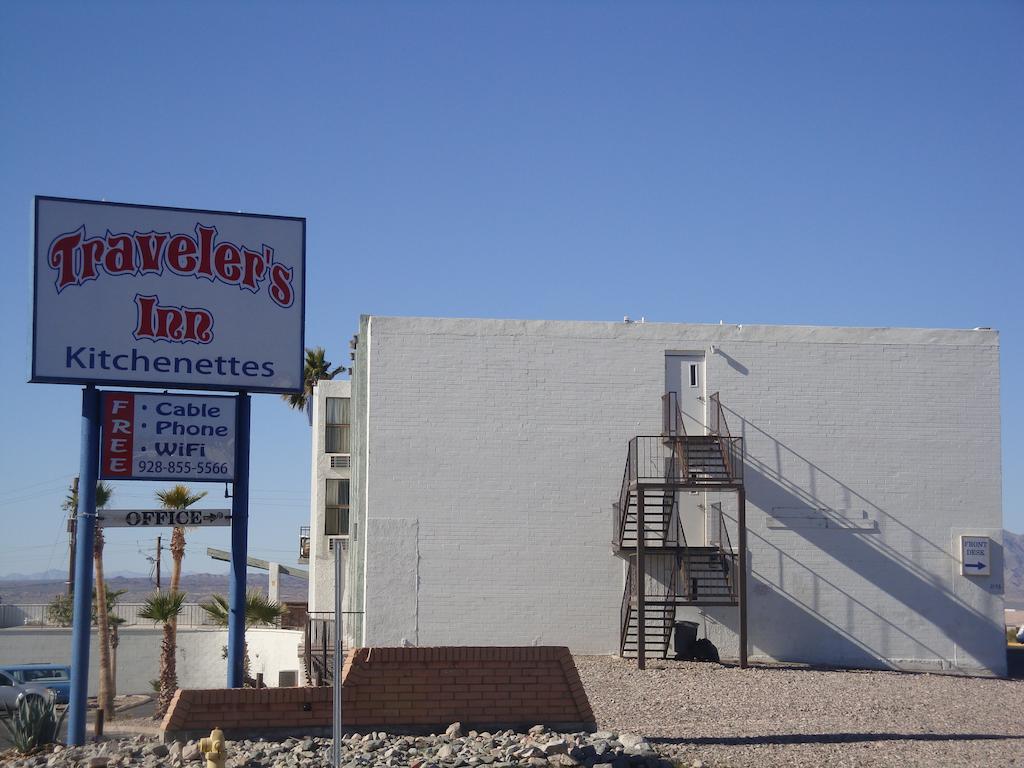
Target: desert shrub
column 33, row 723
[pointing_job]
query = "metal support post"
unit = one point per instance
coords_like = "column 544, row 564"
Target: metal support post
column 339, row 662
column 741, row 494
column 239, row 546
column 81, row 627
column 641, row 577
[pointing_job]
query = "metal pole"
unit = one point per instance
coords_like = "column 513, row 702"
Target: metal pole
column 239, row 545
column 71, row 538
column 741, row 494
column 641, row 577
column 338, row 661
column 158, row 545
column 81, row 629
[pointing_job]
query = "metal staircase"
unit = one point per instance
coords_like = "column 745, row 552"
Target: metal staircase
column 665, row 571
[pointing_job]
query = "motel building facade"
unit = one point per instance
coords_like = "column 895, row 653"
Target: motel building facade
column 811, row 490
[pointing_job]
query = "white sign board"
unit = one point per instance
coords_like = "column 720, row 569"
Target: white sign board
column 975, row 556
column 152, row 518
column 167, row 437
column 170, row 297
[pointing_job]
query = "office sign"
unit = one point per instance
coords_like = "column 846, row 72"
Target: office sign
column 167, row 437
column 155, row 518
column 167, row 297
column 975, row 555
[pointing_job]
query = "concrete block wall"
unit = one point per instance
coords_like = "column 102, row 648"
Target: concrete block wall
column 500, row 446
column 200, row 663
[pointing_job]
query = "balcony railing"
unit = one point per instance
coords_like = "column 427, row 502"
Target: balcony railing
column 318, row 649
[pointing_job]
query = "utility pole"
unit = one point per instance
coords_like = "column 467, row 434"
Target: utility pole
column 158, row 563
column 72, row 523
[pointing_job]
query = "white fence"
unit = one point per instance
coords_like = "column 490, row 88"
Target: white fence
column 37, row 615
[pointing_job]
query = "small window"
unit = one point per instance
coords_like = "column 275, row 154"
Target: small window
column 336, row 508
column 5, row 680
column 336, row 435
column 693, row 374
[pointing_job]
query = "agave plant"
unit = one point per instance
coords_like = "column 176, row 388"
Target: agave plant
column 33, row 723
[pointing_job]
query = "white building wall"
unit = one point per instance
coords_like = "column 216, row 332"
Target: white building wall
column 494, row 450
column 321, row 557
column 200, row 661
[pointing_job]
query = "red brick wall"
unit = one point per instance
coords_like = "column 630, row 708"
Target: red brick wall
column 438, row 686
column 421, row 688
column 234, row 709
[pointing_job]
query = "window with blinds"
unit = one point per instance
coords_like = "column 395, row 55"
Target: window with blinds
column 336, row 508
column 337, row 426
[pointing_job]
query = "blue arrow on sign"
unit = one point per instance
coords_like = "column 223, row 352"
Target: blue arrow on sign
column 974, row 565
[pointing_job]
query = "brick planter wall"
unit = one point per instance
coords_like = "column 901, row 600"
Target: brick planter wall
column 433, row 687
column 404, row 689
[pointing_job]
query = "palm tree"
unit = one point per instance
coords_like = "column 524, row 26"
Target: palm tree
column 178, row 498
column 259, row 611
column 164, row 608
column 105, row 699
column 315, row 369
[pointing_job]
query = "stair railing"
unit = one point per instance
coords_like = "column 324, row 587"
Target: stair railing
column 629, row 475
column 673, row 429
column 726, row 554
column 731, row 447
column 627, row 606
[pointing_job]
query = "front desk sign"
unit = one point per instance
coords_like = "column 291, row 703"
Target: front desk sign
column 167, row 437
column 975, row 555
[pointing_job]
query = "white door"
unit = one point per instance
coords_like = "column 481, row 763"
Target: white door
column 684, row 375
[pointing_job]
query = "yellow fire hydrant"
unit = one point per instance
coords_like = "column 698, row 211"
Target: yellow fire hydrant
column 214, row 749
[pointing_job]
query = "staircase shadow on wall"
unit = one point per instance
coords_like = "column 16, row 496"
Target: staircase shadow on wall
column 864, row 551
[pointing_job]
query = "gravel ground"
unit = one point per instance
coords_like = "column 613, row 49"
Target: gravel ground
column 791, row 716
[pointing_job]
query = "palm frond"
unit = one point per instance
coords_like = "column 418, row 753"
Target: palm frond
column 162, row 607
column 179, row 497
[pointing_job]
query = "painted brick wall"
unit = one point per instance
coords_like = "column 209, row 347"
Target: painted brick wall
column 321, row 557
column 421, row 688
column 505, row 442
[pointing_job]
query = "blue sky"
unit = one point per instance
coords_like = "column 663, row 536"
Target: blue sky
column 817, row 163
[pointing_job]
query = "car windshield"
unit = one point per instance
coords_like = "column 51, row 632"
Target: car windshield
column 30, row 675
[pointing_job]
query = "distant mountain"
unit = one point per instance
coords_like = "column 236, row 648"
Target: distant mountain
column 197, row 586
column 49, row 575
column 1013, row 569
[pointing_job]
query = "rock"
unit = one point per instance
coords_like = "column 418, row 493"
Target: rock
column 530, row 752
column 445, row 752
column 537, row 730
column 156, row 750
column 628, row 740
column 190, row 752
column 604, row 735
column 540, row 762
column 563, row 760
column 697, row 764
column 98, row 762
column 603, row 765
column 454, row 731
column 555, row 747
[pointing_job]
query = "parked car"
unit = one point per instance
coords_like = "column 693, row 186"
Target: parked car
column 11, row 692
column 56, row 677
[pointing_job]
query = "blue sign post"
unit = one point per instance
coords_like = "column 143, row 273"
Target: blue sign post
column 239, row 546
column 86, row 532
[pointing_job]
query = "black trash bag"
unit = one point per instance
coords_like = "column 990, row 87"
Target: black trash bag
column 704, row 650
